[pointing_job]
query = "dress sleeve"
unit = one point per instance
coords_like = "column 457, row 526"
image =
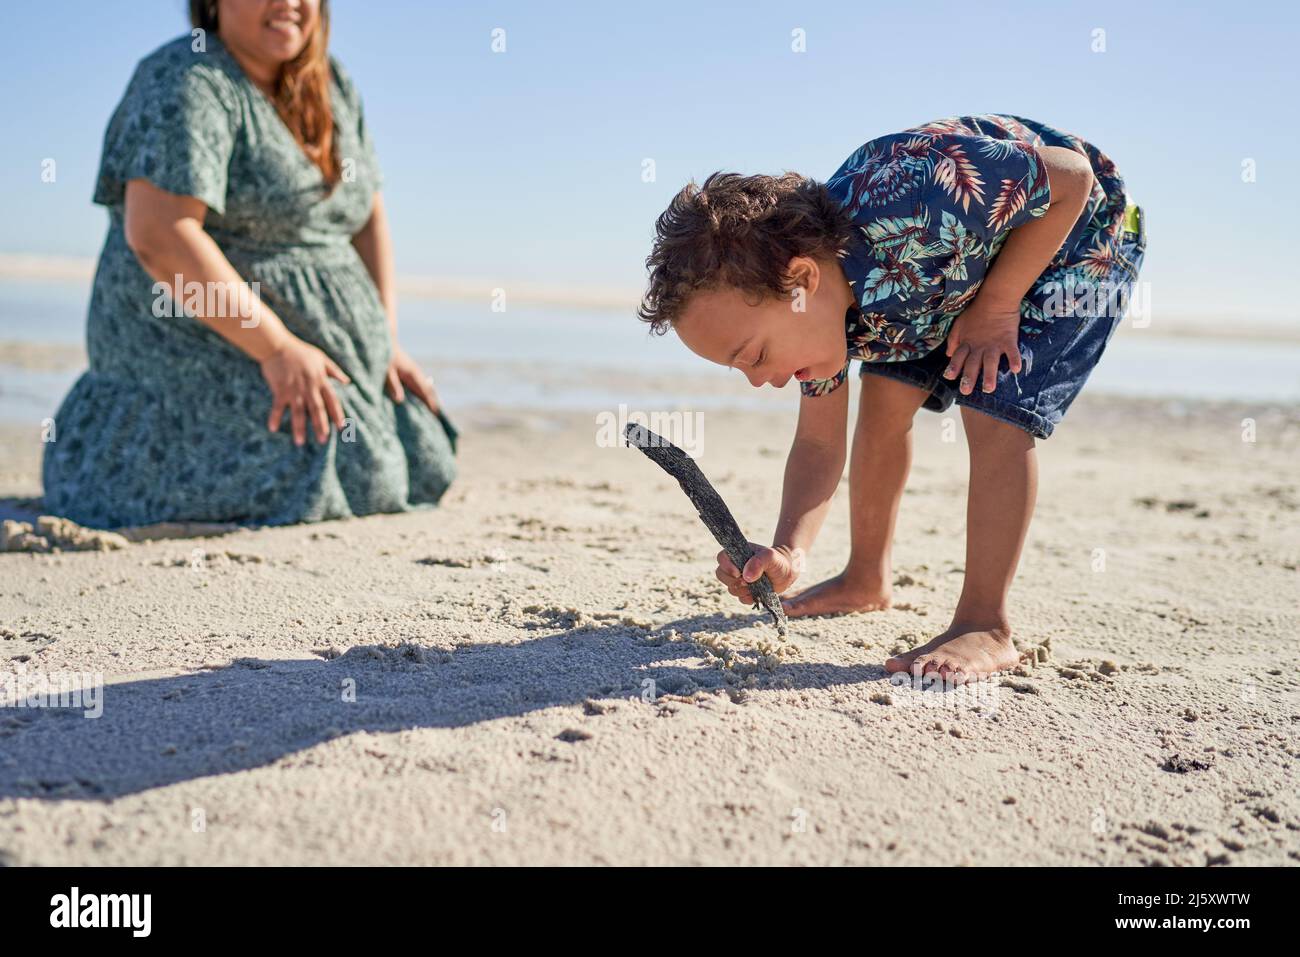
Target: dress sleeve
column 818, row 387
column 986, row 186
column 357, row 116
column 175, row 127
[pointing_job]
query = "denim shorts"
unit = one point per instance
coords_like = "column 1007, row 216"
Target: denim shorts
column 1056, row 359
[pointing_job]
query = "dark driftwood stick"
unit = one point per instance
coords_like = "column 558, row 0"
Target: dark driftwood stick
column 713, row 510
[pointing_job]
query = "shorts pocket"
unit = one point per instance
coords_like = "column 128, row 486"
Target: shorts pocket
column 1133, row 241
column 1139, row 215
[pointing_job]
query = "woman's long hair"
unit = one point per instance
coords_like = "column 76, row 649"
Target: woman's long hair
column 302, row 90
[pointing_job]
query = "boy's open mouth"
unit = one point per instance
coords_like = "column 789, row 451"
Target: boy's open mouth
column 802, row 374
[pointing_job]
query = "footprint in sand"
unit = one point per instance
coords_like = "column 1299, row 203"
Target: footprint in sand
column 20, row 646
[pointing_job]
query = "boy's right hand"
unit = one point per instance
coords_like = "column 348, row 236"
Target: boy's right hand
column 781, row 564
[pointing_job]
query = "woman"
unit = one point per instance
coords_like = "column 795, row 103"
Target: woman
column 239, row 160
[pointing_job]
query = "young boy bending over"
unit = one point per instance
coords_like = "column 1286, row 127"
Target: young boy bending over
column 982, row 260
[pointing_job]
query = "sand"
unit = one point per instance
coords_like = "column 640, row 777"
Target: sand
column 544, row 670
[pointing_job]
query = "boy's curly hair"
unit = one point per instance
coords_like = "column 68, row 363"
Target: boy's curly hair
column 739, row 231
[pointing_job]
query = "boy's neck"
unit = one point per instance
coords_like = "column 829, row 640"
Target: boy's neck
column 838, row 286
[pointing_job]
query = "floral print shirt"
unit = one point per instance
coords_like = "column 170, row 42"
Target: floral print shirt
column 931, row 207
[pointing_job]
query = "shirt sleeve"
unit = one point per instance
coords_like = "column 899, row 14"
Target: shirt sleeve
column 819, row 387
column 984, row 185
column 174, row 128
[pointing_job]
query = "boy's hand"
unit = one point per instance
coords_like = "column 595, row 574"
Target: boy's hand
column 980, row 337
column 781, row 564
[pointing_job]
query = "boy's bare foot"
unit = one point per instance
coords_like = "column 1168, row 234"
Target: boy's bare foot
column 959, row 654
column 836, row 596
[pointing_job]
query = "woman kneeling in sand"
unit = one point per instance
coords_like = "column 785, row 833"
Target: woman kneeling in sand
column 244, row 298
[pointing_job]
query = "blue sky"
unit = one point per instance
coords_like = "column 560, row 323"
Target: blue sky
column 526, row 165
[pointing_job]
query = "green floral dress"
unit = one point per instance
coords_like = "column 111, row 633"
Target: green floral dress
column 169, row 423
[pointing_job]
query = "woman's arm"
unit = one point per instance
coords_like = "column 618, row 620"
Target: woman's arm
column 374, row 244
column 166, row 233
column 989, row 328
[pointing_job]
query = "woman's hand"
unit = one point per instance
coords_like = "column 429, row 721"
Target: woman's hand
column 403, row 374
column 298, row 374
column 980, row 337
column 781, row 565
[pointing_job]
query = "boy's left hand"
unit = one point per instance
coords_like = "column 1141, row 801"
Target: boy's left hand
column 980, row 337
column 781, row 564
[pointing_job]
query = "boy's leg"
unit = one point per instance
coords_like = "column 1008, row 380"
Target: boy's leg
column 999, row 505
column 881, row 457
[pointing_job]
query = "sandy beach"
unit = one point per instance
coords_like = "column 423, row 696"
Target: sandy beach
column 544, row 671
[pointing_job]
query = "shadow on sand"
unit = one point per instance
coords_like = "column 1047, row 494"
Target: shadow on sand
column 159, row 731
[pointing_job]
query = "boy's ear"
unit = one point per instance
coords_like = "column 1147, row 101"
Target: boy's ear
column 804, row 273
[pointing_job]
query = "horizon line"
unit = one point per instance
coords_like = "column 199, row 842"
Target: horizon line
column 76, row 269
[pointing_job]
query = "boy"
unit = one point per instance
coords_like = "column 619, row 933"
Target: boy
column 982, row 260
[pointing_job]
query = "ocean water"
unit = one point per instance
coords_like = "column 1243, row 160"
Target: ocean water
column 550, row 357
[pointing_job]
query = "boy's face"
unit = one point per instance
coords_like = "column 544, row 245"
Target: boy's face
column 771, row 342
